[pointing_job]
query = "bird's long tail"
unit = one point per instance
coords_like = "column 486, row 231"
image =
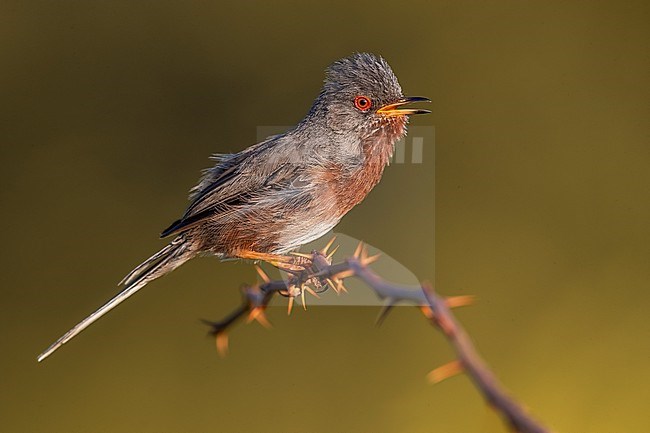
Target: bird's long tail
column 164, row 261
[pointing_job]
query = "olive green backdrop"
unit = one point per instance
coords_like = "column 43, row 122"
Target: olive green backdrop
column 110, row 109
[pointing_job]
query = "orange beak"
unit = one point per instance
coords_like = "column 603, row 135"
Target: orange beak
column 390, row 110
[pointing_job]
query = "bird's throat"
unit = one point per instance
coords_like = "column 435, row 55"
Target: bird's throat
column 353, row 187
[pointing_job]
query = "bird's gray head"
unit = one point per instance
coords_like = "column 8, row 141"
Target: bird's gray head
column 362, row 96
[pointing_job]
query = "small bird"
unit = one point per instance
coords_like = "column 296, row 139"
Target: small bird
column 289, row 189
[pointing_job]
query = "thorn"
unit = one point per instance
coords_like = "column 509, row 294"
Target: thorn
column 330, row 255
column 460, row 301
column 310, row 290
column 427, row 311
column 258, row 314
column 302, row 297
column 368, row 260
column 262, row 274
column 358, row 250
column 221, row 341
column 383, row 313
column 251, row 315
column 290, row 306
column 364, row 253
column 446, row 371
column 332, row 285
column 262, row 320
column 327, row 247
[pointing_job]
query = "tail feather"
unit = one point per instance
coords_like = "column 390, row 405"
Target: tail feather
column 161, row 263
column 150, row 262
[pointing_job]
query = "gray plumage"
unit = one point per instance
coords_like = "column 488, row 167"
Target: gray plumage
column 289, row 189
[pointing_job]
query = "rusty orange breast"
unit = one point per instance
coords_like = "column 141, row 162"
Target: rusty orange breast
column 350, row 187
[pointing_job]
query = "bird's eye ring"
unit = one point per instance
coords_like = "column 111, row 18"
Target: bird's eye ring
column 362, row 103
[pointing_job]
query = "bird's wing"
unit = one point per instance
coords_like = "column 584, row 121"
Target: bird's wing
column 234, row 181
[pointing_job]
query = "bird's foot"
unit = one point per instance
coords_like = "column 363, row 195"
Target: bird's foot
column 294, row 263
column 312, row 264
column 302, row 268
column 284, row 262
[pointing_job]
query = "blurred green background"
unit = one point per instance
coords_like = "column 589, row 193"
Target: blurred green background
column 542, row 156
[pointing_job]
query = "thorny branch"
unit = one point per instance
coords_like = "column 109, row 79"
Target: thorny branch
column 437, row 309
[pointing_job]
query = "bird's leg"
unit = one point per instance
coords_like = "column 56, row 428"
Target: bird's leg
column 292, row 264
column 310, row 263
column 297, row 265
column 300, row 266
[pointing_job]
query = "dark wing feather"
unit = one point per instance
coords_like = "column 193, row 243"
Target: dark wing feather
column 195, row 212
column 226, row 186
column 192, row 219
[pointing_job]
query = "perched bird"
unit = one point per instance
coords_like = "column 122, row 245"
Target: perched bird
column 291, row 188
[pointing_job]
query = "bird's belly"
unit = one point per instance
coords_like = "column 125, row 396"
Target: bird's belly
column 305, row 230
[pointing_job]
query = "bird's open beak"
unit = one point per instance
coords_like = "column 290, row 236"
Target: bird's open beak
column 394, row 109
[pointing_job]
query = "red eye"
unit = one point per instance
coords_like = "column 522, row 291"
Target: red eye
column 362, row 103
